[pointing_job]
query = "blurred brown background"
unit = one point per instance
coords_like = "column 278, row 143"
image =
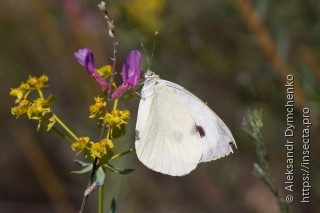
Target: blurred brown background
column 233, row 54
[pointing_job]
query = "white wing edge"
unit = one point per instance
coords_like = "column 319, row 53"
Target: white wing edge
column 212, row 148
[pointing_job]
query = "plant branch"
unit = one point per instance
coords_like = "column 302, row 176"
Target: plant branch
column 268, row 47
column 109, row 101
column 85, row 196
column 123, row 153
column 252, row 124
column 65, row 127
column 310, row 58
column 114, row 60
column 62, row 135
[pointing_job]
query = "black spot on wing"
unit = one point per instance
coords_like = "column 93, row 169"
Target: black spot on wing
column 200, row 130
column 232, row 144
column 197, row 129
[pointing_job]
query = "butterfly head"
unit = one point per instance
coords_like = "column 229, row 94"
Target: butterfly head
column 149, row 75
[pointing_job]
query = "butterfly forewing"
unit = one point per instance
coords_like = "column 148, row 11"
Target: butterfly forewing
column 167, row 139
column 215, row 135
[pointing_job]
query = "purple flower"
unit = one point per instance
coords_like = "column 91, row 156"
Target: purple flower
column 85, row 57
column 130, row 74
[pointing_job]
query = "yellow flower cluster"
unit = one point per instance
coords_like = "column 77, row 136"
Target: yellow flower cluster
column 105, row 71
column 20, row 109
column 38, row 109
column 92, row 149
column 80, row 144
column 21, row 92
column 38, row 82
column 24, row 89
column 116, row 118
column 98, row 107
column 35, row 109
column 99, row 149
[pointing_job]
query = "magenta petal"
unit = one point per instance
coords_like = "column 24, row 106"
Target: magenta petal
column 81, row 55
column 131, row 69
column 90, row 63
column 101, row 81
column 85, row 57
column 120, row 91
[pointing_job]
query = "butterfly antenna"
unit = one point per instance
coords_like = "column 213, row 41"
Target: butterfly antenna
column 145, row 52
column 153, row 47
column 149, row 60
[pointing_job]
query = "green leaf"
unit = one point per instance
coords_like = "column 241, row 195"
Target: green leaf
column 46, row 122
column 39, row 125
column 87, row 167
column 105, row 159
column 100, row 123
column 128, row 95
column 100, row 176
column 85, row 170
column 50, row 99
column 113, row 207
column 119, row 171
column 132, row 93
column 118, row 132
column 81, row 163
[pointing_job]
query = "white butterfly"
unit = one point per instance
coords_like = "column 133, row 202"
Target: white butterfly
column 175, row 130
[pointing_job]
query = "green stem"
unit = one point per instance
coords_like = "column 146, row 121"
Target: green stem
column 109, row 101
column 62, row 135
column 100, row 200
column 65, row 127
column 123, row 153
column 115, row 104
column 40, row 93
